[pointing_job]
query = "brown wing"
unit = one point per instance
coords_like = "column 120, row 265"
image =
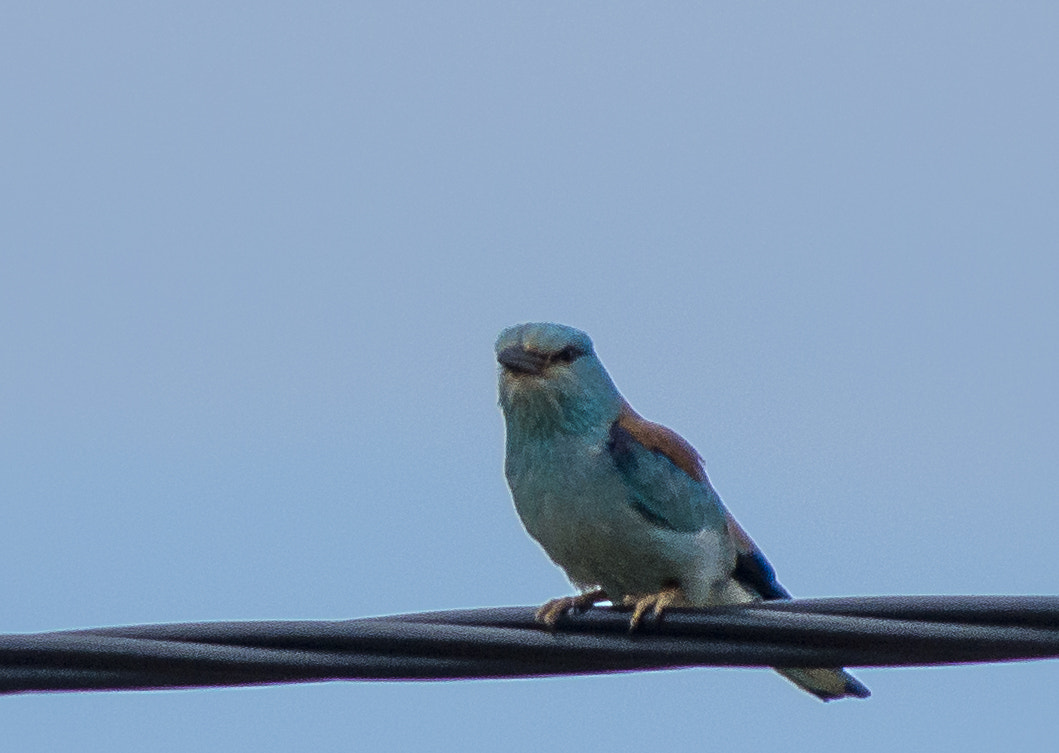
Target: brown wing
column 658, row 438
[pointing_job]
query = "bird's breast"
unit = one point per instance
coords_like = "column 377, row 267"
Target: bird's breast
column 560, row 483
column 573, row 500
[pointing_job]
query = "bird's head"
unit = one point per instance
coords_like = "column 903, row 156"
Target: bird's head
column 552, row 381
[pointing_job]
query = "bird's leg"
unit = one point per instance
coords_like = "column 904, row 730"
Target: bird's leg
column 670, row 596
column 551, row 611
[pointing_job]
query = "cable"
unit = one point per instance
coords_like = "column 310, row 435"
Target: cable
column 506, row 642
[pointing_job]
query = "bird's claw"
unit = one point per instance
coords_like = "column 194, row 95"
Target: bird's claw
column 656, row 603
column 552, row 611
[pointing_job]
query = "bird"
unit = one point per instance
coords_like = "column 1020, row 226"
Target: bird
column 621, row 504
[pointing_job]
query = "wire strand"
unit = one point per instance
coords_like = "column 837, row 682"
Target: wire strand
column 507, row 642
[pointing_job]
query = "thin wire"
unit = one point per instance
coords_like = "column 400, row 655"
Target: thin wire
column 507, row 642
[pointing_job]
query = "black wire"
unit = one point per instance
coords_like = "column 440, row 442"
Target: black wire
column 507, row 642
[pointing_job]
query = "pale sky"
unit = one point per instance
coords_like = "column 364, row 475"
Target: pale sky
column 254, row 258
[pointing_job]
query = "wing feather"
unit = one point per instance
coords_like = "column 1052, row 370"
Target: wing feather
column 752, row 570
column 666, row 442
column 664, row 474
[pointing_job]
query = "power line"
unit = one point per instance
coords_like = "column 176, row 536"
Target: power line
column 506, row 642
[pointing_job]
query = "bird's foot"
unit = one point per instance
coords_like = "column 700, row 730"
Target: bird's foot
column 551, row 612
column 657, row 603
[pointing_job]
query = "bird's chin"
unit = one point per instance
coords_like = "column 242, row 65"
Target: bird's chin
column 516, row 380
column 525, row 392
column 512, row 386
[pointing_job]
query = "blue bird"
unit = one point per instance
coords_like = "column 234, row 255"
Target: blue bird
column 621, row 504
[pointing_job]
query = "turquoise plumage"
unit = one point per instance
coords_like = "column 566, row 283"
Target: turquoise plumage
column 621, row 504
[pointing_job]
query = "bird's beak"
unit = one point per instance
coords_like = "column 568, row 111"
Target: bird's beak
column 521, row 361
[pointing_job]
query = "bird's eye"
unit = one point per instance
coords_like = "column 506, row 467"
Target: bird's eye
column 567, row 355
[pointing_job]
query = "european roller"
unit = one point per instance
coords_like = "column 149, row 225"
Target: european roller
column 621, row 504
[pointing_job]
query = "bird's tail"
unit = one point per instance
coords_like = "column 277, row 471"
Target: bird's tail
column 826, row 684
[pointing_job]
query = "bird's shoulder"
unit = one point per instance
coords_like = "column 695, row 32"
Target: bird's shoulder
column 663, row 475
column 630, row 425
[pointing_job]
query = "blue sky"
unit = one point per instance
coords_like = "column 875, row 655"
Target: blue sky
column 254, row 257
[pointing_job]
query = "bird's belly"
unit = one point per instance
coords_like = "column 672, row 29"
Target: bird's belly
column 589, row 528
